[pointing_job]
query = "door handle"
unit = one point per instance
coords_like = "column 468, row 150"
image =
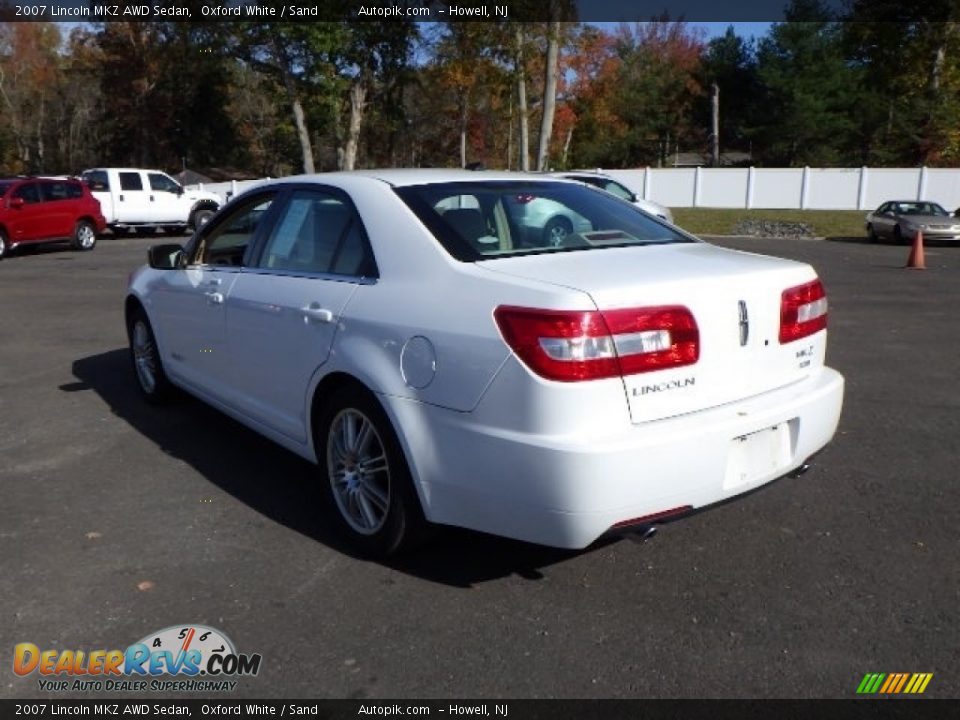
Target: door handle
column 314, row 313
column 214, row 298
column 213, row 282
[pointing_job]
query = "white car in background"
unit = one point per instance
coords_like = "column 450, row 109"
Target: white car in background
column 605, row 182
column 440, row 364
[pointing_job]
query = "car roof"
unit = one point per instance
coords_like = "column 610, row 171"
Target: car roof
column 123, row 169
column 581, row 173
column 401, row 177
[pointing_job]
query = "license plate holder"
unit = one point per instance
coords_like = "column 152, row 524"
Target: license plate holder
column 757, row 455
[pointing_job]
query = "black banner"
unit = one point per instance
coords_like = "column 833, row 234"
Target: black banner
column 401, row 10
column 893, row 709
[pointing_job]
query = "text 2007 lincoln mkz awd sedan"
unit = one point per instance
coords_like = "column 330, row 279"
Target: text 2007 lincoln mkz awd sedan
column 444, row 361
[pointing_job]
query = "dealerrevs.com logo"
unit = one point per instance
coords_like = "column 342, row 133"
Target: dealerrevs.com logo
column 178, row 658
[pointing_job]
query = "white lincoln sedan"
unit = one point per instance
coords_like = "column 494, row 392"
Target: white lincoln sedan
column 443, row 362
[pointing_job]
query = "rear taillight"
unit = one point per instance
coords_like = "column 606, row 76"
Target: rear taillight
column 591, row 344
column 803, row 311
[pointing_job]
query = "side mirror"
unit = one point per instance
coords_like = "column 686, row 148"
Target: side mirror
column 633, row 197
column 180, row 190
column 16, row 203
column 165, row 257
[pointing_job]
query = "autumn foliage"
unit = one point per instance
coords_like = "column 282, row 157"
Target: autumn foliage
column 271, row 99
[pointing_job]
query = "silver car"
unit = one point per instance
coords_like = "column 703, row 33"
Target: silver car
column 899, row 220
column 605, row 182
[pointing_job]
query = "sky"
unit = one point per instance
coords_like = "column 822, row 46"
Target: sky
column 743, row 29
column 713, row 29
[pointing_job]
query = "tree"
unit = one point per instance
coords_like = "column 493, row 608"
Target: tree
column 595, row 66
column 549, row 88
column 464, row 58
column 376, row 61
column 520, row 72
column 910, row 54
column 659, row 84
column 729, row 62
column 29, row 73
column 301, row 58
column 810, row 92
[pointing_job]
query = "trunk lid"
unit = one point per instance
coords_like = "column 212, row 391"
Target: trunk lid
column 734, row 297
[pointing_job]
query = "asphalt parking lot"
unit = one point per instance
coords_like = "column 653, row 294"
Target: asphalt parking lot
column 117, row 520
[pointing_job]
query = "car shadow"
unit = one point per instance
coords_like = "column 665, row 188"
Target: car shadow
column 858, row 239
column 862, row 240
column 34, row 249
column 283, row 487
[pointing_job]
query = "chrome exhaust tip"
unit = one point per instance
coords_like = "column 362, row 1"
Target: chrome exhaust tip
column 643, row 533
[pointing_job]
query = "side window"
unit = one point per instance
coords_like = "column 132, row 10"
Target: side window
column 74, row 191
column 318, row 233
column 162, row 183
column 53, row 191
column 225, row 242
column 29, row 192
column 615, row 188
column 354, row 257
column 130, row 181
column 97, row 180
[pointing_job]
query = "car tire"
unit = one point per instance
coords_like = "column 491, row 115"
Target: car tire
column 898, row 236
column 4, row 245
column 872, row 234
column 200, row 218
column 84, row 236
column 555, row 232
column 145, row 360
column 375, row 508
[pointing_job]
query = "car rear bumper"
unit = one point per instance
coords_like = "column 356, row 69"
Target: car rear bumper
column 566, row 491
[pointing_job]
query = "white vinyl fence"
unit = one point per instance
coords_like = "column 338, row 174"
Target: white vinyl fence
column 777, row 188
column 792, row 188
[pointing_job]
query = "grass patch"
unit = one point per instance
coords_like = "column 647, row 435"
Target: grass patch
column 720, row 221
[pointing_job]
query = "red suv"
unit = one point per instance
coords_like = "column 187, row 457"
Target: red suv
column 42, row 210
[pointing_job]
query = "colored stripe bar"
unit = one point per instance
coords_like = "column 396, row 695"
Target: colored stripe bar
column 903, row 679
column 894, row 683
column 865, row 683
column 891, row 680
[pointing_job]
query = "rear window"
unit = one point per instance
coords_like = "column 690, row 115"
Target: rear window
column 493, row 219
column 97, row 180
column 4, row 186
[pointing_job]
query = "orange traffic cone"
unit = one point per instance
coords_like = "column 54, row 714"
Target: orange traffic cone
column 916, row 260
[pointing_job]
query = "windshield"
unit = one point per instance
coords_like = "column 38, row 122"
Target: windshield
column 919, row 208
column 485, row 220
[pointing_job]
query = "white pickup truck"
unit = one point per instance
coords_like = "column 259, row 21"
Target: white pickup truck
column 142, row 200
